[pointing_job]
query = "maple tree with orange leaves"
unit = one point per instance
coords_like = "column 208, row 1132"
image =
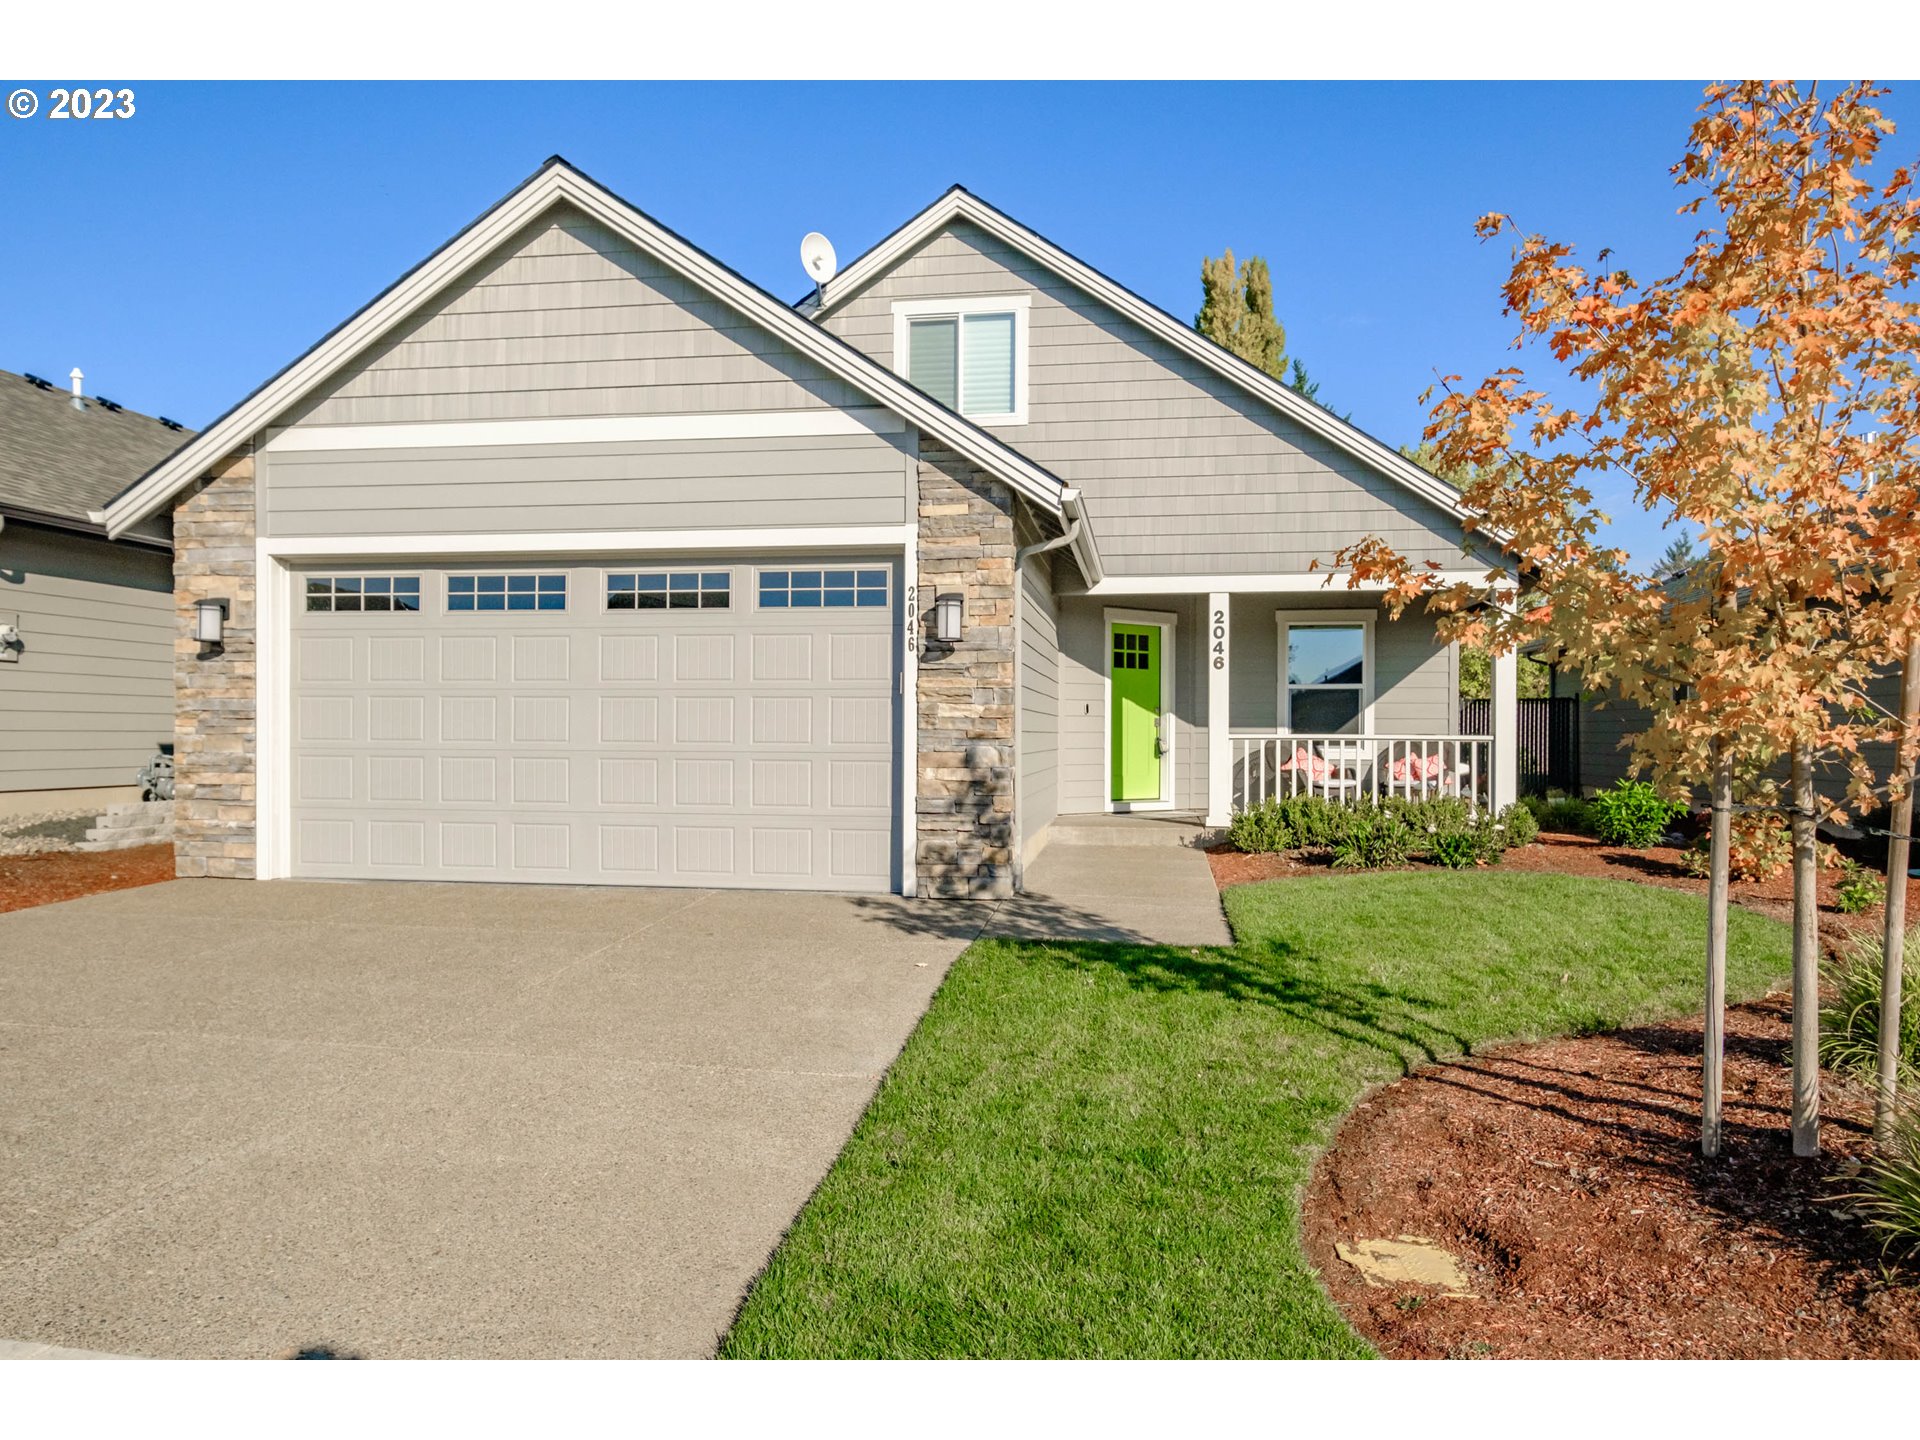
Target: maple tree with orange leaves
column 1766, row 393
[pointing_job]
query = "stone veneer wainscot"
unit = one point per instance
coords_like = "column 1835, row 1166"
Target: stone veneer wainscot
column 964, row 789
column 215, row 726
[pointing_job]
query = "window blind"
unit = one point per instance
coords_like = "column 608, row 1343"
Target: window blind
column 933, row 359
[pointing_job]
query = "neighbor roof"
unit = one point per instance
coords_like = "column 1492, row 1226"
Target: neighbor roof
column 960, row 204
column 554, row 183
column 66, row 463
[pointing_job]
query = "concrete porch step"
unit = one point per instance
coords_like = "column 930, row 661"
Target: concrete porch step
column 1151, row 827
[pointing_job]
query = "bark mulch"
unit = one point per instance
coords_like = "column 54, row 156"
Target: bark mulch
column 1566, row 1177
column 31, row 880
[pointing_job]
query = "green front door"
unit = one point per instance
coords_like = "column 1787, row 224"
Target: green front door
column 1135, row 668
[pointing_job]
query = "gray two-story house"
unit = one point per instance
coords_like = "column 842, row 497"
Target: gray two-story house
column 575, row 557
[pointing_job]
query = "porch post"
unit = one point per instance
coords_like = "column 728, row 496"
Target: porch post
column 1218, row 630
column 1506, row 729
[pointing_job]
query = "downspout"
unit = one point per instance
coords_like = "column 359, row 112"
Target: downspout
column 1069, row 505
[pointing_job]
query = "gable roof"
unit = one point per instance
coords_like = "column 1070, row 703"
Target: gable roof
column 64, row 462
column 959, row 204
column 554, row 183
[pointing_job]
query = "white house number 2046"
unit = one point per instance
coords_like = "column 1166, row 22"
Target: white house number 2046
column 1218, row 640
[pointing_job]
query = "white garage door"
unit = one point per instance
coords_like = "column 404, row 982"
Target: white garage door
column 725, row 724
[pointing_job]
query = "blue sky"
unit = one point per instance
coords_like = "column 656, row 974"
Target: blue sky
column 182, row 256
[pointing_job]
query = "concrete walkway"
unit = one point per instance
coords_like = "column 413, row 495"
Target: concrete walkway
column 430, row 1120
column 1136, row 880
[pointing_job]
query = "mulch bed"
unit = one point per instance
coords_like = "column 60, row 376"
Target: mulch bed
column 1567, row 1179
column 30, row 880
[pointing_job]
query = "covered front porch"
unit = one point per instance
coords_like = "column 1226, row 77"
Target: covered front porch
column 1175, row 699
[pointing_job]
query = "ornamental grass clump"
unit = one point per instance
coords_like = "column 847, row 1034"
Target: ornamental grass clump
column 1850, row 1018
column 1889, row 1195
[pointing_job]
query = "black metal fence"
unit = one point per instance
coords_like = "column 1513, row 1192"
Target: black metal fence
column 1549, row 740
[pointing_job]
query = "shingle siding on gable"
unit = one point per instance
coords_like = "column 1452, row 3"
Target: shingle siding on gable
column 1182, row 472
column 568, row 319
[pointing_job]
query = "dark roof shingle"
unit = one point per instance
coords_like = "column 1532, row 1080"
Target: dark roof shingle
column 63, row 461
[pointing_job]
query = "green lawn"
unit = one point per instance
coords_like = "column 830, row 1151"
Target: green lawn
column 1099, row 1150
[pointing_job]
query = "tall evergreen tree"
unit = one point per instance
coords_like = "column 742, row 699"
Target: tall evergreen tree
column 1236, row 312
column 1677, row 557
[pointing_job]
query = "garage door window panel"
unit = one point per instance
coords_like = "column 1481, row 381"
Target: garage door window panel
column 670, row 590
column 840, row 589
column 495, row 593
column 356, row 594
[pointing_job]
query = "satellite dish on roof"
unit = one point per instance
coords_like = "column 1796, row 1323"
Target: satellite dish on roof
column 816, row 253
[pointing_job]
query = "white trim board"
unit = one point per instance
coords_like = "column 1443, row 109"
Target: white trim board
column 1167, row 620
column 588, row 543
column 959, row 205
column 558, row 183
column 586, row 430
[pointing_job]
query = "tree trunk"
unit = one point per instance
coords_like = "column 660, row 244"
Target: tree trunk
column 1894, row 937
column 1719, row 866
column 1806, row 959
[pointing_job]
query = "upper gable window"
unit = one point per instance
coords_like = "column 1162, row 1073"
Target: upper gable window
column 970, row 354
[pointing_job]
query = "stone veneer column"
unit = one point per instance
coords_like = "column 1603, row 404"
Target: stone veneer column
column 215, row 711
column 964, row 791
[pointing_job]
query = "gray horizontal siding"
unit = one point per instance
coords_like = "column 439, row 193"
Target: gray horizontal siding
column 568, row 319
column 91, row 695
column 682, row 485
column 1182, row 471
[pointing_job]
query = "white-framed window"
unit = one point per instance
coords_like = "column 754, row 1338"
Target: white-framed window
column 506, row 592
column 1326, row 671
column 669, row 589
column 361, row 593
column 969, row 353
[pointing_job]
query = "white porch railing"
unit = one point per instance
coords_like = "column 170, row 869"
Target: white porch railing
column 1270, row 763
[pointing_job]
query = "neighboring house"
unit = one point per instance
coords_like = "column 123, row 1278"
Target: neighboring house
column 576, row 557
column 86, row 679
column 1608, row 726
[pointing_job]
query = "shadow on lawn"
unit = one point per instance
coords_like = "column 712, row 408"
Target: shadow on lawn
column 1279, row 976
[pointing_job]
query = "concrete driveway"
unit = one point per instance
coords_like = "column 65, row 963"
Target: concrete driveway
column 430, row 1120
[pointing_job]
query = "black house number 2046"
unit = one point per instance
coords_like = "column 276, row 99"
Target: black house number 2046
column 913, row 614
column 1219, row 640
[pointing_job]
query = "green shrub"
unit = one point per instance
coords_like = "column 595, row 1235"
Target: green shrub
column 1850, row 1019
column 1632, row 814
column 1889, row 1197
column 1456, row 849
column 1859, row 888
column 1375, row 837
column 1518, row 827
column 1260, row 830
column 1564, row 814
column 1316, row 822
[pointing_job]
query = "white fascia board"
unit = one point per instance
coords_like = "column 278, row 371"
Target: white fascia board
column 585, row 430
column 588, row 542
column 959, row 205
column 1323, row 582
column 560, row 183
